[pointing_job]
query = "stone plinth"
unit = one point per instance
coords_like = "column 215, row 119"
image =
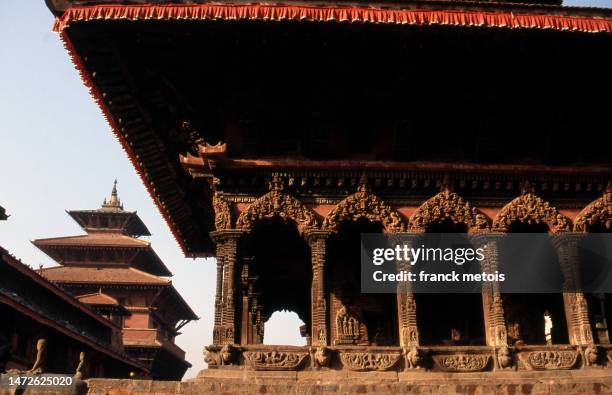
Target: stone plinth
column 245, row 382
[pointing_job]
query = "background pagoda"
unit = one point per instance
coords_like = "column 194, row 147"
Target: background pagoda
column 121, row 277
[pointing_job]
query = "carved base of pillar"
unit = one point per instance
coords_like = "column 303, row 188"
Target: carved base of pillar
column 434, row 359
column 223, row 334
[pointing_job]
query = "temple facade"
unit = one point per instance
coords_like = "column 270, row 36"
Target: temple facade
column 121, row 277
column 272, row 135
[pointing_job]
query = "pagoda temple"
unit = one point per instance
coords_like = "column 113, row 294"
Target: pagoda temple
column 121, row 277
column 271, row 135
column 46, row 330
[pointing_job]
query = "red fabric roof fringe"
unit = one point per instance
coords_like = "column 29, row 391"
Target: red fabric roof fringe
column 116, row 129
column 332, row 13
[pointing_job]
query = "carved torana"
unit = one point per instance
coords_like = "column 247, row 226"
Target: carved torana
column 276, row 203
column 364, row 204
column 447, row 205
column 532, row 210
column 597, row 212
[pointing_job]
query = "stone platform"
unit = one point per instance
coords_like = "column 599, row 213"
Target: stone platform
column 245, row 382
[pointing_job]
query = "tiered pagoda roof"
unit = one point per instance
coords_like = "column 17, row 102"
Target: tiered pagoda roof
column 108, row 275
column 110, row 254
column 120, row 276
column 111, row 240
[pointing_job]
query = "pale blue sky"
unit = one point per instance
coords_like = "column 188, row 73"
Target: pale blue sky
column 57, row 153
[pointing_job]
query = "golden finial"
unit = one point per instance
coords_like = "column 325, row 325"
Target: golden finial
column 114, row 202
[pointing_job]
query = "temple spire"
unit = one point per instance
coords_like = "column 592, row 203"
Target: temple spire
column 114, row 203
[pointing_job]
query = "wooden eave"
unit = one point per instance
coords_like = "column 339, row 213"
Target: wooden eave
column 153, row 263
column 188, row 211
column 133, row 225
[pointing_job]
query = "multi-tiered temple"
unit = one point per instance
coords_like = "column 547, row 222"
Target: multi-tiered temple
column 271, row 135
column 121, row 277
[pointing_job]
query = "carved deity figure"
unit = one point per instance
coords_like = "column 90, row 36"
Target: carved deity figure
column 414, row 358
column 349, row 329
column 227, row 354
column 591, row 355
column 321, row 357
column 504, row 358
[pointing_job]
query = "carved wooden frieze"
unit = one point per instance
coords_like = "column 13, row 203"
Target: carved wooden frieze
column 368, row 361
column 531, row 209
column 276, row 203
column 549, row 360
column 447, row 205
column 364, row 204
column 275, row 360
column 462, row 362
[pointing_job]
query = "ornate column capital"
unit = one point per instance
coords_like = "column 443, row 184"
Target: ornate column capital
column 313, row 235
column 484, row 236
column 220, row 236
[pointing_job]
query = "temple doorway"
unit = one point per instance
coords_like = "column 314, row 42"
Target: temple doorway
column 356, row 318
column 450, row 319
column 536, row 318
column 279, row 279
column 595, row 266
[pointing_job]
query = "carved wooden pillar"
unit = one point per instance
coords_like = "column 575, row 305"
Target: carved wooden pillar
column 245, row 316
column 319, row 325
column 218, row 296
column 492, row 306
column 406, row 305
column 226, row 250
column 576, row 308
